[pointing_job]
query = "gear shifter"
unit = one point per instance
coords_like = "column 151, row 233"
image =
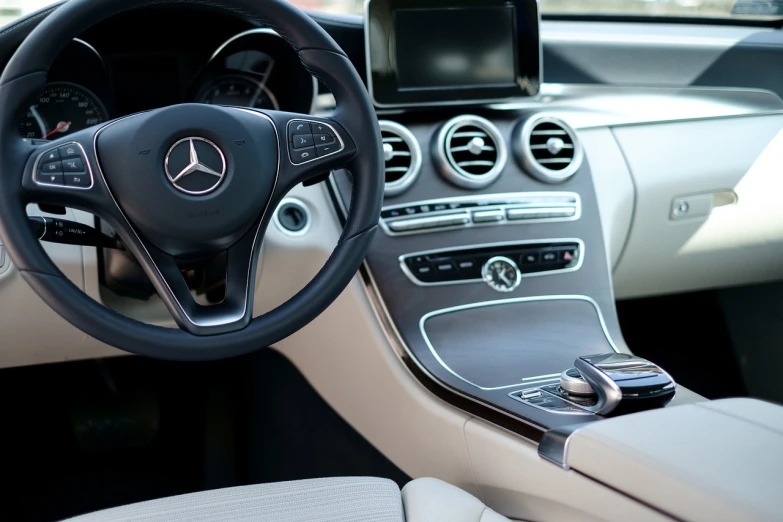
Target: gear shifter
column 618, row 378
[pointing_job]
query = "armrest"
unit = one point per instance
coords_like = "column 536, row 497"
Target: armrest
column 710, row 461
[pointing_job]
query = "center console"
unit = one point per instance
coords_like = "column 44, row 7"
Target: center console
column 493, row 289
column 490, row 270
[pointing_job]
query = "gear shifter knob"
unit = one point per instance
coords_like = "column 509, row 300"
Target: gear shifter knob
column 616, row 378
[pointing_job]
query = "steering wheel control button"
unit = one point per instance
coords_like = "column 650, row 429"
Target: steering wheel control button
column 324, row 139
column 56, row 166
column 51, row 155
column 69, row 151
column 53, row 167
column 303, row 134
column 303, row 155
column 195, row 166
column 51, row 179
column 73, row 165
column 302, row 140
column 77, row 180
column 297, row 127
column 325, row 150
column 501, row 274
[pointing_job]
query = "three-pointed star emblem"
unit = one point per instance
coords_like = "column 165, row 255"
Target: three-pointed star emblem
column 194, row 165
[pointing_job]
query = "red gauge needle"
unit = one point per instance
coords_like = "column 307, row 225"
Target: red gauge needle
column 60, row 127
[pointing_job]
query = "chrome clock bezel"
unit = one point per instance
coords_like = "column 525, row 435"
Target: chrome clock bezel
column 485, row 274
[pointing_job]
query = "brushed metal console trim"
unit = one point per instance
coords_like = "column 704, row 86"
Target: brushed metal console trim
column 501, row 302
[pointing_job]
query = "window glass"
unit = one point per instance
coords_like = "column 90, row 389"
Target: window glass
column 708, row 9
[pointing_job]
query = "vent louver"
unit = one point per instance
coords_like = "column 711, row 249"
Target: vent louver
column 470, row 151
column 550, row 150
column 402, row 157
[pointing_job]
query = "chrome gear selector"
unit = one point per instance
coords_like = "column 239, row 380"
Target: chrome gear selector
column 618, row 378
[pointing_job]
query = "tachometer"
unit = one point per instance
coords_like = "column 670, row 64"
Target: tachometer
column 239, row 91
column 62, row 108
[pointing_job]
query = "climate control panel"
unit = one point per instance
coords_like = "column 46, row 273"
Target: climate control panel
column 470, row 264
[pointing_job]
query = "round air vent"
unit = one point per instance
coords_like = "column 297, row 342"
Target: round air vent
column 548, row 149
column 470, row 152
column 402, row 157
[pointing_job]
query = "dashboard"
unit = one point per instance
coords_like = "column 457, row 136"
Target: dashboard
column 92, row 81
column 555, row 202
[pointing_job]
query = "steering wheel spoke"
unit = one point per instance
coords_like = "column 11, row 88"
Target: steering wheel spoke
column 168, row 276
column 309, row 148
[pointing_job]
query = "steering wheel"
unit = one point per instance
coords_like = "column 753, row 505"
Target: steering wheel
column 187, row 182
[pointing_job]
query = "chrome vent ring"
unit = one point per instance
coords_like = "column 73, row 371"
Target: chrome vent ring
column 548, row 149
column 401, row 156
column 470, row 152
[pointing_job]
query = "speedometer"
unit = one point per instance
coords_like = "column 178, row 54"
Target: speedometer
column 238, row 90
column 62, row 108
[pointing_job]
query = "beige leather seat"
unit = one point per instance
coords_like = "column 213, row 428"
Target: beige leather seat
column 348, row 499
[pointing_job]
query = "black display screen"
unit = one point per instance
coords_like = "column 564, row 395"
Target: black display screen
column 437, row 48
column 422, row 52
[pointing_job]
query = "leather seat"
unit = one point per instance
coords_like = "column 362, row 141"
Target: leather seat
column 348, row 499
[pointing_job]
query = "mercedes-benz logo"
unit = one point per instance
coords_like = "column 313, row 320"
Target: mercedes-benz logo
column 195, row 166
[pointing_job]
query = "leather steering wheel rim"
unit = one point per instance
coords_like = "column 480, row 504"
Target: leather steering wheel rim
column 355, row 122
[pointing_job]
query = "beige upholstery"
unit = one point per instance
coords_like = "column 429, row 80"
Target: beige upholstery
column 710, row 461
column 432, row 500
column 347, row 499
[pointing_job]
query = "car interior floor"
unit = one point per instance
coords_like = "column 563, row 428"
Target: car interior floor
column 82, row 436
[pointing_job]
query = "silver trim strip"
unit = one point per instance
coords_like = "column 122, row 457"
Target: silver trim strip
column 64, row 186
column 501, row 302
column 560, row 199
column 416, row 281
column 553, row 446
column 265, row 30
column 141, row 243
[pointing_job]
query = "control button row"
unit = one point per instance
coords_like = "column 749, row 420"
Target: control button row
column 444, row 220
column 65, row 165
column 542, row 399
column 465, row 265
column 309, row 140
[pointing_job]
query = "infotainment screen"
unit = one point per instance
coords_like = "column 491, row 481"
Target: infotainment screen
column 439, row 48
column 451, row 51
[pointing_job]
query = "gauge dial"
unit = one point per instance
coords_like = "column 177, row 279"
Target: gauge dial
column 240, row 91
column 62, row 108
column 501, row 274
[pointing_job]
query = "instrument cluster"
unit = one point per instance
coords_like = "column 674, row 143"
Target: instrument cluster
column 255, row 68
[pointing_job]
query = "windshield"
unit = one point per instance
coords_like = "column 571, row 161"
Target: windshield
column 724, row 9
